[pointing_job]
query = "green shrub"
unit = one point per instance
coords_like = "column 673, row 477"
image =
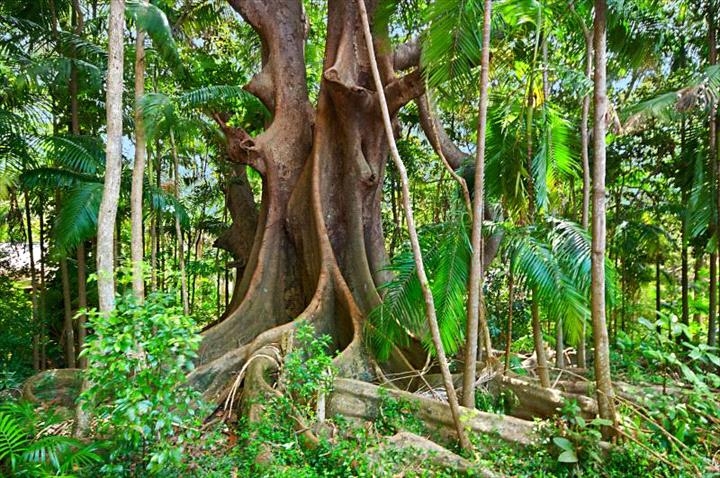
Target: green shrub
column 139, row 357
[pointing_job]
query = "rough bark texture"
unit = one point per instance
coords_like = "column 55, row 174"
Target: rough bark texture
column 136, row 193
column 605, row 395
column 111, row 193
column 476, row 301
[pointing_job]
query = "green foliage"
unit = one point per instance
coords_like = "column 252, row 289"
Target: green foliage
column 139, row 356
column 17, row 327
column 397, row 414
column 308, row 370
column 25, row 450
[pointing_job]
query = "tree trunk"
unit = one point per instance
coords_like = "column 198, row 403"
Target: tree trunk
column 68, row 333
column 33, row 284
column 178, row 229
column 714, row 159
column 658, row 300
column 42, row 306
column 696, row 291
column 508, row 338
column 605, row 393
column 82, row 301
column 684, row 260
column 476, row 300
column 137, row 232
column 113, row 154
column 542, row 365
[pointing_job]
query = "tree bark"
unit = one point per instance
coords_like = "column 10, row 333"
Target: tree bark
column 113, row 154
column 137, row 232
column 605, row 394
column 476, row 302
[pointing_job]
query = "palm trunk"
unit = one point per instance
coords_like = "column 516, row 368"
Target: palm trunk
column 696, row 296
column 542, row 365
column 136, row 194
column 178, row 230
column 508, row 338
column 412, row 232
column 33, row 285
column 476, row 301
column 605, row 394
column 68, row 332
column 42, row 312
column 714, row 135
column 658, row 300
column 685, row 264
column 82, row 301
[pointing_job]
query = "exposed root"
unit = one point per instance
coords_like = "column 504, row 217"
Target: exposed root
column 361, row 400
column 533, row 401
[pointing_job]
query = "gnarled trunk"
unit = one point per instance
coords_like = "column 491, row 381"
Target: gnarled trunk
column 318, row 248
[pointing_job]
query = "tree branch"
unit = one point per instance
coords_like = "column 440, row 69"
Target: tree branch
column 435, row 132
column 241, row 147
column 400, row 91
column 407, row 55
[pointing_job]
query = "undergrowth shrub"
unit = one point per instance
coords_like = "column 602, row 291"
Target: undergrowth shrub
column 138, row 357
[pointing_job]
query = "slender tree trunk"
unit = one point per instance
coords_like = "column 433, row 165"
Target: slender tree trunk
column 79, row 22
column 695, row 286
column 476, row 299
column 137, row 232
column 542, row 365
column 658, row 298
column 111, row 193
column 584, row 149
column 42, row 312
column 68, row 332
column 685, row 263
column 415, row 244
column 605, row 394
column 33, row 284
column 714, row 133
column 508, row 338
column 178, row 230
column 155, row 232
column 82, row 301
column 712, row 306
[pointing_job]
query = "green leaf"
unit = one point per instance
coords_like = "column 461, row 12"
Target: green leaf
column 568, row 456
column 563, row 443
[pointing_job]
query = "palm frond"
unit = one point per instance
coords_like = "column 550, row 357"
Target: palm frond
column 77, row 219
column 13, row 439
column 151, row 19
column 46, row 177
column 453, row 42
